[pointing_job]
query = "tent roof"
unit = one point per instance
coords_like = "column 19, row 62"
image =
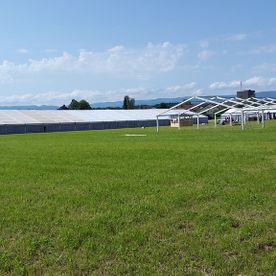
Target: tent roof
column 69, row 116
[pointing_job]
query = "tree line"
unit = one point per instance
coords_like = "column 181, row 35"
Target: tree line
column 128, row 103
column 77, row 105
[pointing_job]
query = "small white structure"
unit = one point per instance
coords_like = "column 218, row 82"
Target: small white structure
column 183, row 121
column 181, row 117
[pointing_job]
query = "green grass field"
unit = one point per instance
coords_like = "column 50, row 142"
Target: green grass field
column 178, row 202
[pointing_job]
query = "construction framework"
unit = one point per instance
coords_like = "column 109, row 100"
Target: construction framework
column 203, row 105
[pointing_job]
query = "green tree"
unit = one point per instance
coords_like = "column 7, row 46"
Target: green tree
column 128, row 103
column 81, row 105
column 163, row 105
column 74, row 105
column 84, row 105
column 132, row 103
column 63, row 107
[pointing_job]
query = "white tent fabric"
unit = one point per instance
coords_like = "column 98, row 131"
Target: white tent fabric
column 68, row 116
column 249, row 111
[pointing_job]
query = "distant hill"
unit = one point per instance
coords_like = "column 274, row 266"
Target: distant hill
column 139, row 102
column 118, row 104
column 262, row 94
column 266, row 94
column 29, row 107
column 150, row 102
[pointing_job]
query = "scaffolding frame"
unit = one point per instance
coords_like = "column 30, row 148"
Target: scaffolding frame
column 243, row 106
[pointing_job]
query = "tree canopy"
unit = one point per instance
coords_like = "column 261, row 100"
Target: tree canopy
column 84, row 105
column 81, row 105
column 129, row 103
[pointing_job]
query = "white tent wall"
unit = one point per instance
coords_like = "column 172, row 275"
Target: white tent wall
column 72, row 116
column 30, row 121
column 269, row 113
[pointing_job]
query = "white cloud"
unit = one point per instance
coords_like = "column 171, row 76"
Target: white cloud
column 59, row 98
column 260, row 82
column 205, row 55
column 119, row 60
column 268, row 49
column 22, row 51
column 184, row 87
column 204, row 44
column 237, row 67
column 257, row 81
column 50, row 50
column 265, row 67
column 224, row 85
column 236, row 37
column 198, row 92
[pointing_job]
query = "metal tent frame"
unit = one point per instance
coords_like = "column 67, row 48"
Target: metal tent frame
column 244, row 106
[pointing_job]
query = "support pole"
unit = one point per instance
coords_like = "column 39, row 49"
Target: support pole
column 245, row 121
column 230, row 122
column 263, row 123
column 157, row 124
column 258, row 118
column 178, row 120
column 242, row 120
column 197, row 122
column 215, row 121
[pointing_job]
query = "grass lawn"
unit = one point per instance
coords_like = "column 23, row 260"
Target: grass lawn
column 178, row 202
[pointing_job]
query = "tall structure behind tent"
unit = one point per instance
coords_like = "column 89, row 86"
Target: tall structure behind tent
column 245, row 94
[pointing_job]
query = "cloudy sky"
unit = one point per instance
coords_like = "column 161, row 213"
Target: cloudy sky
column 55, row 50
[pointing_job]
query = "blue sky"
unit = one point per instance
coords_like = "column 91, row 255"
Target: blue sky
column 53, row 51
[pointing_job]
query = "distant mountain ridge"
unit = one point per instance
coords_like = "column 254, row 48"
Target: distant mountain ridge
column 29, row 107
column 266, row 94
column 261, row 94
column 118, row 104
column 139, row 102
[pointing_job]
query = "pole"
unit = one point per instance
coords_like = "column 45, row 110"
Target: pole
column 242, row 120
column 262, row 119
column 215, row 121
column 197, row 122
column 178, row 120
column 157, row 124
column 230, row 122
